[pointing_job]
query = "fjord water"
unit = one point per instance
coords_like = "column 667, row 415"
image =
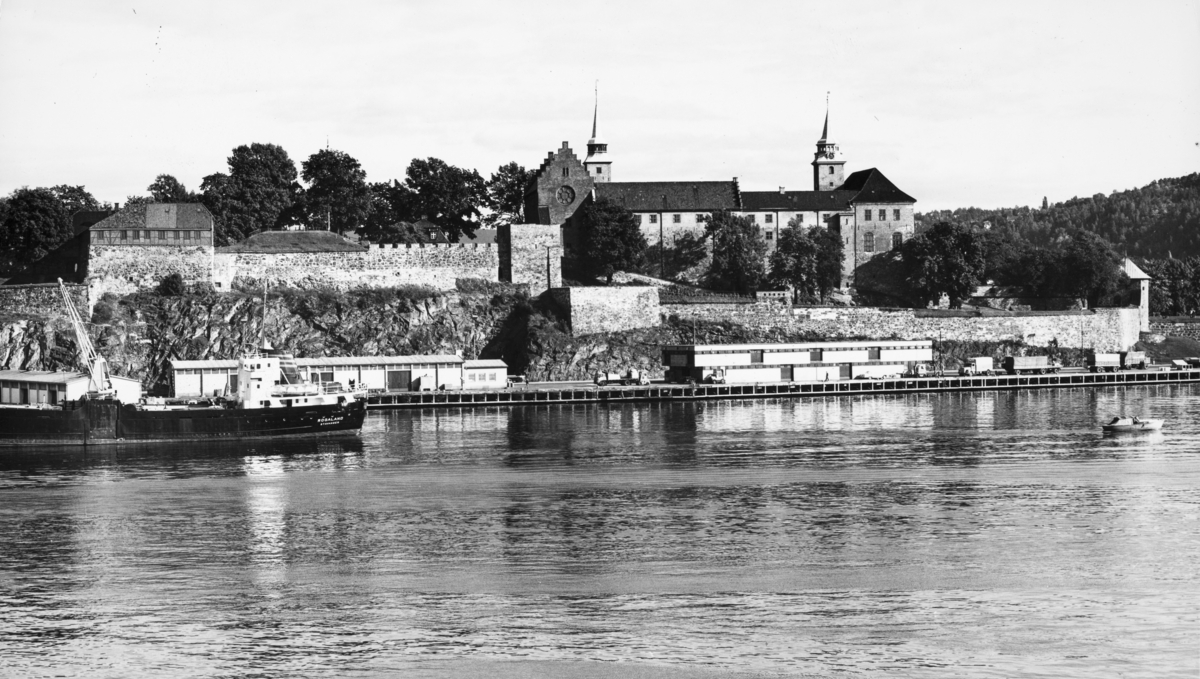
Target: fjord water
column 981, row 535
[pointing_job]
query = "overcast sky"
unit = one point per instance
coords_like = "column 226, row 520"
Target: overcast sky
column 986, row 104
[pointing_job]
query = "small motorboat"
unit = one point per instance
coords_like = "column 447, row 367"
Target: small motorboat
column 1132, row 424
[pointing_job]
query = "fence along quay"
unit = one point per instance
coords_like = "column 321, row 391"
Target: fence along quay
column 683, row 392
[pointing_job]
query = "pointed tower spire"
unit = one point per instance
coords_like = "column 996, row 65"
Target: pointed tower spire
column 596, row 114
column 825, row 130
column 828, row 165
column 598, row 164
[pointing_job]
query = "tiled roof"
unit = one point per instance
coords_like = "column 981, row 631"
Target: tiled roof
column 159, row 216
column 796, row 201
column 870, row 186
column 294, row 241
column 672, row 196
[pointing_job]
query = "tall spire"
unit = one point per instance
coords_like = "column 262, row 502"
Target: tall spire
column 596, row 115
column 597, row 163
column 825, row 130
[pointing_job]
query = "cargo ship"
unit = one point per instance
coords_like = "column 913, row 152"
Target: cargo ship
column 94, row 407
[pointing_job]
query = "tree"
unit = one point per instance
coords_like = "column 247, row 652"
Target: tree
column 446, row 195
column 36, row 223
column 172, row 285
column 610, row 239
column 1089, row 269
column 506, row 195
column 830, row 257
column 74, row 198
column 167, row 189
column 260, row 186
column 337, row 192
column 945, row 260
column 794, row 264
column 738, row 252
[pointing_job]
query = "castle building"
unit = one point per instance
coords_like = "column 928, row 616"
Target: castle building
column 870, row 212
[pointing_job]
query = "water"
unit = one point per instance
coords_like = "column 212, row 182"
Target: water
column 981, row 535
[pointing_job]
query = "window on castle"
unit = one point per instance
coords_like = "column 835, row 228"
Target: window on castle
column 162, row 235
column 770, row 219
column 867, row 215
column 638, row 218
column 800, row 219
column 675, row 219
column 174, row 235
column 869, row 242
column 187, row 235
column 895, row 215
column 897, row 239
column 753, row 218
column 124, row 235
column 830, row 169
column 566, row 172
column 145, row 235
column 770, row 235
column 599, row 170
column 653, row 219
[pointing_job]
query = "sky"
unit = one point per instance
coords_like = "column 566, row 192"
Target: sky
column 987, row 104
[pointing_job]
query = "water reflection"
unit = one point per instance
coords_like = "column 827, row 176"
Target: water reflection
column 867, row 535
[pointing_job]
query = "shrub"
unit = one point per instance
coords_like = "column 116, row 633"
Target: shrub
column 172, row 286
column 102, row 313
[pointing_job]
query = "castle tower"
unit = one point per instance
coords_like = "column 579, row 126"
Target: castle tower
column 598, row 164
column 828, row 164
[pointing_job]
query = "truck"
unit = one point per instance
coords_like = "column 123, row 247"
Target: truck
column 1100, row 363
column 1133, row 360
column 1025, row 365
column 980, row 365
column 628, row 378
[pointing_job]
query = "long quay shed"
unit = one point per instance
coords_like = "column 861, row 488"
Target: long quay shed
column 809, row 361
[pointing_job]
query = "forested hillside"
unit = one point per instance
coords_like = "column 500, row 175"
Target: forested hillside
column 1158, row 220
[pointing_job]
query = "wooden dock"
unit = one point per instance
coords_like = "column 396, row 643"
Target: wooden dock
column 682, row 392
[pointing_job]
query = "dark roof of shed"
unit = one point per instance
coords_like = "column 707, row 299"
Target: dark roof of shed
column 668, row 196
column 799, row 201
column 294, row 241
column 158, row 216
column 870, row 186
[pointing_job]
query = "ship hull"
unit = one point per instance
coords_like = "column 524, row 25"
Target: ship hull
column 98, row 422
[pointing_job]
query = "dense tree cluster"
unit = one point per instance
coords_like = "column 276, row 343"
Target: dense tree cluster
column 1158, row 220
column 262, row 190
column 610, row 239
column 738, row 253
column 807, row 261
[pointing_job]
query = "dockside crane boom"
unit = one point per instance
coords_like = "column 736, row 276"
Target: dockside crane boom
column 95, row 364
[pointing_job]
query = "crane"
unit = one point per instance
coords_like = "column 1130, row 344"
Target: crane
column 96, row 366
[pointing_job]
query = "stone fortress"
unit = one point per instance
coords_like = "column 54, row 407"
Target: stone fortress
column 866, row 208
column 135, row 248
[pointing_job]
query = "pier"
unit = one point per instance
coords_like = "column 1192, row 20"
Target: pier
column 683, row 392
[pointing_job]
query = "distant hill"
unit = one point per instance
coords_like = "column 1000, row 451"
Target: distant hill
column 1156, row 220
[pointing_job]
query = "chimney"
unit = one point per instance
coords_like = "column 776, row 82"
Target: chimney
column 781, row 191
column 116, row 207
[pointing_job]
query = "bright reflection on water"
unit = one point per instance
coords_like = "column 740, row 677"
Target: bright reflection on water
column 982, row 535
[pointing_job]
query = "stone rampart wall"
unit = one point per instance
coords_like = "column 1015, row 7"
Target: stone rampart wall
column 608, row 309
column 1103, row 329
column 42, row 299
column 122, row 269
column 379, row 266
column 1175, row 327
column 527, row 251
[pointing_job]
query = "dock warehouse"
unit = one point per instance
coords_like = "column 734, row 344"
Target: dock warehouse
column 388, row 373
column 34, row 387
column 808, row 362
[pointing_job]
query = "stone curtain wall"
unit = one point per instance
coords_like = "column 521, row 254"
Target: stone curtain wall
column 381, row 266
column 1175, row 327
column 1105, row 329
column 523, row 253
column 608, row 309
column 123, row 269
column 42, row 300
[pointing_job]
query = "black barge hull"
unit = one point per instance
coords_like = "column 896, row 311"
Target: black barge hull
column 98, row 422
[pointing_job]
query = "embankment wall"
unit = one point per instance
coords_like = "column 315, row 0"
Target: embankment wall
column 42, row 299
column 531, row 254
column 608, row 309
column 434, row 265
column 1104, row 329
column 122, row 269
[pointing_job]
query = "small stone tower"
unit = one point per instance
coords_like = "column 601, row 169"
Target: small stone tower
column 598, row 164
column 828, row 164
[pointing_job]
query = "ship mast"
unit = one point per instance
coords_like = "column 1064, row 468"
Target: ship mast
column 95, row 364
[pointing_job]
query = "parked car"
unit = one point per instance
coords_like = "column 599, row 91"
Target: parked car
column 980, row 365
column 630, row 377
